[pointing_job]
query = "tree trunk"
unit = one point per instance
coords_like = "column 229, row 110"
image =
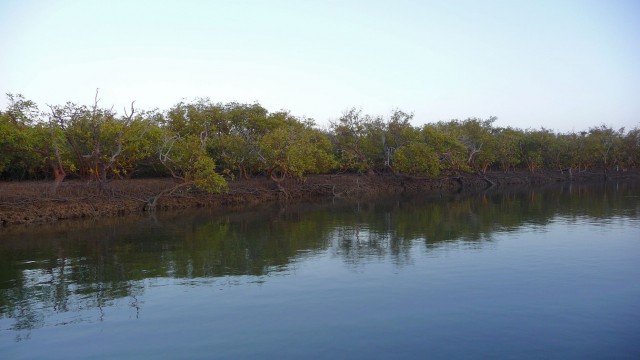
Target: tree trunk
column 152, row 202
column 102, row 176
column 59, row 175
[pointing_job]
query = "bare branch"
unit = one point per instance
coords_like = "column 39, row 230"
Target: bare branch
column 129, row 116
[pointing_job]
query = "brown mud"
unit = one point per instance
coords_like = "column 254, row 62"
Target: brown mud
column 32, row 202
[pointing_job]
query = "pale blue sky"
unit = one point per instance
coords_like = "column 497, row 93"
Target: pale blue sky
column 563, row 65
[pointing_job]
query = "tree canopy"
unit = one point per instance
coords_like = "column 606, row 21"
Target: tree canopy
column 206, row 144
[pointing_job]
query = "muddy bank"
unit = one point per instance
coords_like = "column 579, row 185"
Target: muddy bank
column 32, row 202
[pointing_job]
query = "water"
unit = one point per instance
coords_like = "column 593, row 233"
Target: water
column 547, row 273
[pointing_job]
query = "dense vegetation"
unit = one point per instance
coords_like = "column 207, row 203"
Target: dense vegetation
column 207, row 144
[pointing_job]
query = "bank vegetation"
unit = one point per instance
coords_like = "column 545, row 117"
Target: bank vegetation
column 205, row 146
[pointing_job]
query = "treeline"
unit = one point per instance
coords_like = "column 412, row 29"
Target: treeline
column 207, row 144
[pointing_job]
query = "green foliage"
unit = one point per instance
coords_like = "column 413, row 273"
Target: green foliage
column 417, row 158
column 232, row 152
column 197, row 141
column 205, row 177
column 366, row 143
column 476, row 135
column 21, row 110
column 348, row 136
column 187, row 161
column 450, row 151
column 507, row 150
column 604, row 144
column 22, row 139
column 296, row 151
column 629, row 156
column 139, row 144
column 239, row 131
column 531, row 147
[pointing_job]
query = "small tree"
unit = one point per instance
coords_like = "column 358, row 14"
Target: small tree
column 185, row 158
column 604, row 143
column 506, row 149
column 349, row 135
column 451, row 152
column 417, row 158
column 294, row 151
column 474, row 134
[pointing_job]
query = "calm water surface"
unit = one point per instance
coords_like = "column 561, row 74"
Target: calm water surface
column 547, row 273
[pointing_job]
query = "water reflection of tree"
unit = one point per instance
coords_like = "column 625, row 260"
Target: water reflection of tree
column 393, row 227
column 50, row 295
column 48, row 274
column 61, row 271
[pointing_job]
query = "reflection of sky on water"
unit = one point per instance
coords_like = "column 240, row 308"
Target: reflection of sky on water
column 550, row 275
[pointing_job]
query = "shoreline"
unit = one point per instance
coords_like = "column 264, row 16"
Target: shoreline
column 30, row 202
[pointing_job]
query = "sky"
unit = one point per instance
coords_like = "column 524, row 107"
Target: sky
column 562, row 65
